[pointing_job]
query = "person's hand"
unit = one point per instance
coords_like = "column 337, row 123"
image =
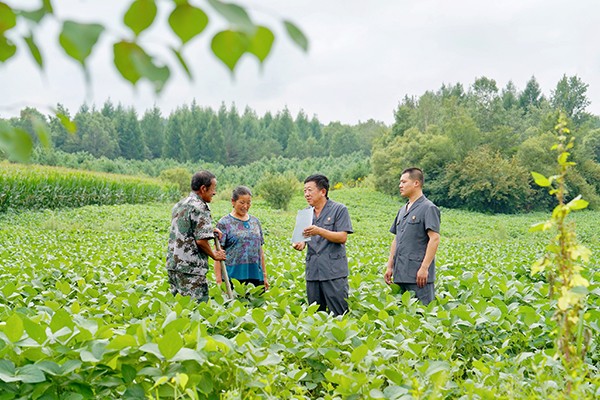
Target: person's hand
column 422, row 275
column 220, row 255
column 266, row 280
column 299, row 246
column 312, row 230
column 217, row 232
column 387, row 276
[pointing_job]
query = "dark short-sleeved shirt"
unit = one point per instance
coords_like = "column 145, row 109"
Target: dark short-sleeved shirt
column 191, row 221
column 242, row 241
column 326, row 260
column 410, row 228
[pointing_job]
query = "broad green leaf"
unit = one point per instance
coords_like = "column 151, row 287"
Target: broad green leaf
column 121, row 342
column 261, row 43
column 69, row 124
column 577, row 203
column 34, row 50
column 133, row 63
column 78, row 39
column 359, row 353
column 236, row 15
column 170, row 344
column 8, row 18
column 182, row 62
column 338, row 334
column 35, row 331
column 187, row 21
column 35, row 15
column 7, row 48
column 16, row 142
column 394, row 376
column 14, row 328
column 185, row 354
column 540, row 179
column 140, row 15
column 563, row 157
column 229, row 46
column 29, row 374
column 61, row 319
column 296, row 35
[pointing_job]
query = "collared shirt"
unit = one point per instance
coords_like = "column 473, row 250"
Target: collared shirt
column 326, row 260
column 410, row 228
column 191, row 221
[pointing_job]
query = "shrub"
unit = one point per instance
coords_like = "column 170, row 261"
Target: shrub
column 179, row 176
column 277, row 190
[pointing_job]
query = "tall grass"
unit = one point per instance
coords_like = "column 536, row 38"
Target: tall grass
column 40, row 187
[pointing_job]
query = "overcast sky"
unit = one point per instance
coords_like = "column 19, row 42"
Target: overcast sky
column 364, row 56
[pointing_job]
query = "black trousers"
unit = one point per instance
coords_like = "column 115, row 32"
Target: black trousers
column 331, row 294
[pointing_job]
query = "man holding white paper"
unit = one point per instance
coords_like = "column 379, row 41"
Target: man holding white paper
column 326, row 260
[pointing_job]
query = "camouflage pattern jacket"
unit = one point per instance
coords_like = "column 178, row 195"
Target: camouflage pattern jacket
column 191, row 221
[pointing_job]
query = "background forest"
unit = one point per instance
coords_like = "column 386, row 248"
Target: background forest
column 477, row 145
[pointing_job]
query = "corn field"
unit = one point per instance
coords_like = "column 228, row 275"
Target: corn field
column 37, row 187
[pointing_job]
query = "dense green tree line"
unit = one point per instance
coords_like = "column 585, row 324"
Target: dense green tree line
column 194, row 134
column 348, row 168
column 477, row 146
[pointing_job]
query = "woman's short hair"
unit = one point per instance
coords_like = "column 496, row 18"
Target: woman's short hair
column 240, row 191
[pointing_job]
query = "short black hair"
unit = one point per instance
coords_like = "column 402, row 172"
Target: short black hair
column 240, row 191
column 416, row 174
column 321, row 181
column 202, row 178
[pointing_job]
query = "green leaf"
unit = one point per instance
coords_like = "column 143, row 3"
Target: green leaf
column 562, row 158
column 129, row 373
column 78, row 39
column 34, row 50
column 229, row 46
column 14, row 328
column 236, row 15
column 8, row 18
column 577, row 203
column 69, row 125
column 170, row 344
column 338, row 334
column 16, row 142
column 359, row 353
column 140, row 15
column 182, row 62
column 187, row 21
column 296, row 35
column 540, row 179
column 261, row 43
column 61, row 319
column 121, row 342
column 30, row 374
column 35, row 16
column 35, row 331
column 133, row 63
column 7, row 48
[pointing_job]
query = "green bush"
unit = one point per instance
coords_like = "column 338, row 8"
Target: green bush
column 277, row 190
column 179, row 176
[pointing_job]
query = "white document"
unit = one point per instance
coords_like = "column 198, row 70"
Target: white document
column 304, row 219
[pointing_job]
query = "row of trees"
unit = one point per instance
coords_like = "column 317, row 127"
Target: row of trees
column 193, row 133
column 478, row 146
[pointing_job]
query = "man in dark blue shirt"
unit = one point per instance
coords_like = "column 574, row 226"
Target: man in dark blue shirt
column 417, row 228
column 326, row 260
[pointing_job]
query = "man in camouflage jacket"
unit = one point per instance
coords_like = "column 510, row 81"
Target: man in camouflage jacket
column 189, row 248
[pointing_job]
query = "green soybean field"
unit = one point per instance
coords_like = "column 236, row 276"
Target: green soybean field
column 86, row 312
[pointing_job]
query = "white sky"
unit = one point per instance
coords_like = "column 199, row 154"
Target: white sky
column 364, row 56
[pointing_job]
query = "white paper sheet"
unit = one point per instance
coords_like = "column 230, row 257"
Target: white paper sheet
column 304, row 219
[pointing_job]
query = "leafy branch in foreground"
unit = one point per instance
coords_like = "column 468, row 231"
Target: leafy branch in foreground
column 562, row 263
column 133, row 62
